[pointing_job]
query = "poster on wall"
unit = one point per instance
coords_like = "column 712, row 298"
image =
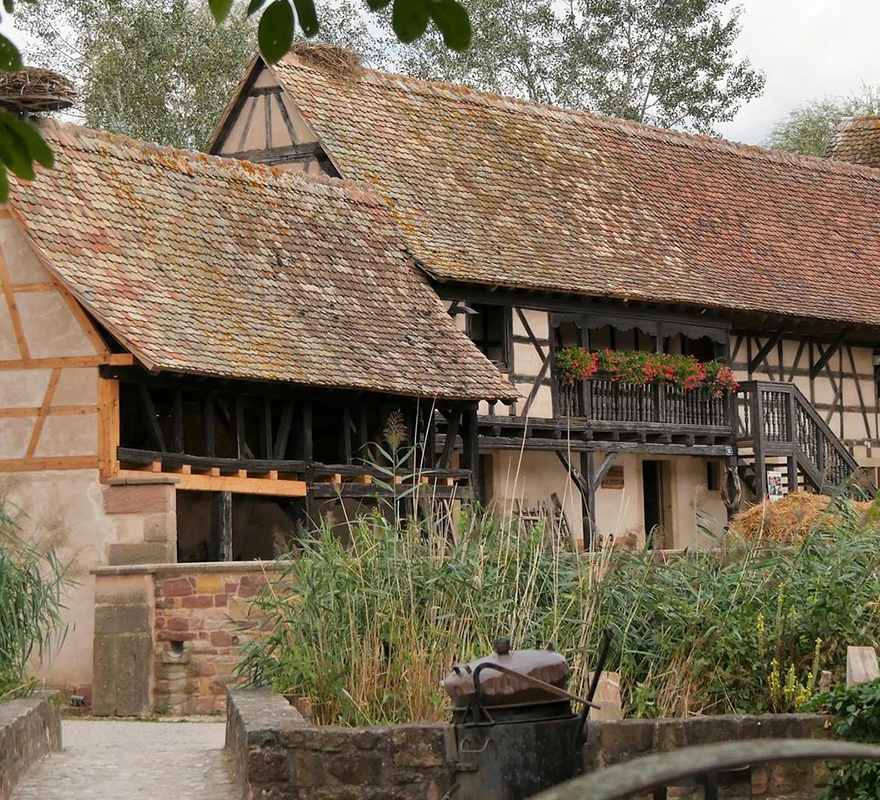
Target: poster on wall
column 774, row 484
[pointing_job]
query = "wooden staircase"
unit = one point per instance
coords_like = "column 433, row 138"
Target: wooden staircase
column 778, row 429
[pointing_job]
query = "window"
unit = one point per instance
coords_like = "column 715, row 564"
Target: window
column 488, row 329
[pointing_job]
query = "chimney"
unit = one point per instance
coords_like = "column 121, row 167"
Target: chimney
column 856, row 140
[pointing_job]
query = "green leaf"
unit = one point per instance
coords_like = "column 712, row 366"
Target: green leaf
column 254, row 6
column 220, row 9
column 306, row 16
column 378, row 5
column 452, row 20
column 275, row 32
column 9, row 6
column 409, row 19
column 4, row 185
column 37, row 148
column 14, row 151
column 10, row 58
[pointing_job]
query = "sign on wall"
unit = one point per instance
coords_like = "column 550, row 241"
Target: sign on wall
column 613, row 478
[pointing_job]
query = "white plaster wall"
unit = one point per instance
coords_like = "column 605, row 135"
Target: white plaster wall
column 848, row 425
column 619, row 511
column 50, row 327
column 532, row 477
column 65, row 509
column 21, row 262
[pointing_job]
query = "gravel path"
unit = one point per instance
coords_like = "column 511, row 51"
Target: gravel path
column 105, row 759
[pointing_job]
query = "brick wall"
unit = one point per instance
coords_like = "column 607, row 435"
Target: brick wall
column 201, row 623
column 177, row 628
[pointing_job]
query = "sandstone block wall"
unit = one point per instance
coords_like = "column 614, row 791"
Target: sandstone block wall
column 29, row 729
column 168, row 636
column 201, row 623
column 618, row 741
column 277, row 754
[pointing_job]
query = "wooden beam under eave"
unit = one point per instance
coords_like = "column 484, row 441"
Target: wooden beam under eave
column 230, row 483
column 113, row 359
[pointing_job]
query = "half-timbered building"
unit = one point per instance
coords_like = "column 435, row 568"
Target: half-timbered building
column 544, row 228
column 197, row 352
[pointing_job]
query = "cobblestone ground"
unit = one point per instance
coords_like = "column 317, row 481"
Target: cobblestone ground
column 146, row 760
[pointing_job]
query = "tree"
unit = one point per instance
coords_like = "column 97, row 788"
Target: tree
column 21, row 144
column 808, row 128
column 667, row 62
column 159, row 71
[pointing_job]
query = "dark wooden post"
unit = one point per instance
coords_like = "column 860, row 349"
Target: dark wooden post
column 221, row 525
column 241, row 445
column 208, row 421
column 791, row 461
column 177, row 421
column 588, row 499
column 470, row 454
column 758, row 442
column 345, row 434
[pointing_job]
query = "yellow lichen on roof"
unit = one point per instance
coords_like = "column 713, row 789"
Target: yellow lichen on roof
column 222, row 267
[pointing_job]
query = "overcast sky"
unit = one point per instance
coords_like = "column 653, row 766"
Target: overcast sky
column 807, row 49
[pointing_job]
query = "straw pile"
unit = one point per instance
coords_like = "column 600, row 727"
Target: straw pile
column 790, row 519
column 35, row 89
column 330, row 58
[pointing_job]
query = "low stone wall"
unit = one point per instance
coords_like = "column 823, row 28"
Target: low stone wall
column 279, row 755
column 617, row 741
column 29, row 729
column 178, row 631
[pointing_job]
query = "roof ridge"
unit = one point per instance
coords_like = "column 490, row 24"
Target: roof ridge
column 356, row 190
column 382, row 79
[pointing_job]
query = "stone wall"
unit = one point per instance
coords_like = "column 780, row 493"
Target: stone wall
column 201, row 622
column 168, row 636
column 277, row 754
column 614, row 742
column 29, row 729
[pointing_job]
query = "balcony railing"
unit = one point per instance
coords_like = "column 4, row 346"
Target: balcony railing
column 600, row 399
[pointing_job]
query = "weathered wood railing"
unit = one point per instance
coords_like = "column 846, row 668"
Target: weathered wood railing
column 604, row 400
column 775, row 419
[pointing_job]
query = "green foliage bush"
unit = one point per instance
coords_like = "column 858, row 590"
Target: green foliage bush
column 32, row 580
column 857, row 719
column 367, row 631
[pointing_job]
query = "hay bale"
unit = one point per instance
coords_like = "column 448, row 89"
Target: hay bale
column 790, row 519
column 35, row 89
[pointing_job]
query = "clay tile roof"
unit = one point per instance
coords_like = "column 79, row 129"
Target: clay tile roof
column 500, row 191
column 220, row 267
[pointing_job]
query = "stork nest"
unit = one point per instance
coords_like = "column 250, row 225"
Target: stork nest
column 330, row 58
column 35, row 89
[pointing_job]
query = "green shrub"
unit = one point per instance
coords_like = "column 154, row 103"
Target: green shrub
column 857, row 719
column 367, row 631
column 31, row 584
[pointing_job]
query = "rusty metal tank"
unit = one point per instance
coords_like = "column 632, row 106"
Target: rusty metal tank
column 515, row 732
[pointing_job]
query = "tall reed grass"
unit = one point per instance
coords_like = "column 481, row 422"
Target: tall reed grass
column 32, row 581
column 367, row 630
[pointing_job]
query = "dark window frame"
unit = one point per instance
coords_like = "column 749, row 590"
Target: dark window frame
column 505, row 342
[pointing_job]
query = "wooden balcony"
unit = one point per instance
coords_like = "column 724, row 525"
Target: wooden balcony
column 629, row 406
